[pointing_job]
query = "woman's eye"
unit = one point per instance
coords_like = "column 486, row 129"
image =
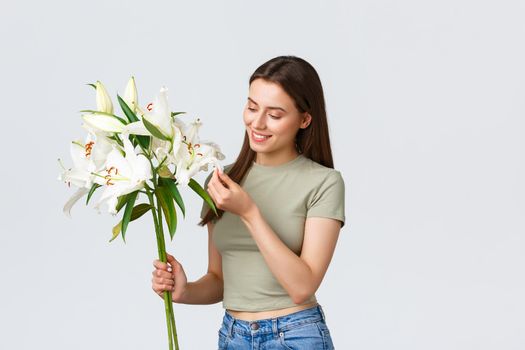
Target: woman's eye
column 274, row 117
column 251, row 109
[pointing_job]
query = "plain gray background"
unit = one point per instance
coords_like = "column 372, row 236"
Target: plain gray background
column 426, row 111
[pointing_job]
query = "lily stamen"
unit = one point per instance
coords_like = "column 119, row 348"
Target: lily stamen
column 112, row 168
column 88, row 147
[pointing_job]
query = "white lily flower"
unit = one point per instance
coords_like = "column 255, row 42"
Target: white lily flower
column 124, row 174
column 194, row 156
column 80, row 174
column 158, row 114
column 88, row 158
column 104, row 122
column 164, row 150
column 131, row 95
column 104, row 103
column 191, row 136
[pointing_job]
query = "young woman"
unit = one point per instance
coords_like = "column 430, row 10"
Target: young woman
column 281, row 207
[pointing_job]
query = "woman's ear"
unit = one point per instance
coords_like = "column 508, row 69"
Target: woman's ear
column 307, row 119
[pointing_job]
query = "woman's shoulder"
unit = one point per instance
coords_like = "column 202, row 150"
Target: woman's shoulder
column 319, row 171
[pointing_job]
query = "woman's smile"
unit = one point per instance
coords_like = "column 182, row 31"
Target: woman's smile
column 259, row 138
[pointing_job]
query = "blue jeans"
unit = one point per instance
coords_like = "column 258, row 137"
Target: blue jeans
column 301, row 330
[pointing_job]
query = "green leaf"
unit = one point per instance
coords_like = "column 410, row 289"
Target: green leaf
column 166, row 202
column 197, row 188
column 174, row 114
column 154, row 130
column 143, row 140
column 94, row 86
column 116, row 230
column 164, row 171
column 174, row 192
column 115, row 138
column 127, row 111
column 121, row 201
column 132, row 117
column 91, row 191
column 132, row 197
column 137, row 212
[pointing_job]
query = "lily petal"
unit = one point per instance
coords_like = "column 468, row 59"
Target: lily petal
column 136, row 128
column 74, row 198
column 160, row 115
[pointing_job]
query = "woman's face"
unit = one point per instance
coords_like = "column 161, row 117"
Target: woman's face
column 271, row 119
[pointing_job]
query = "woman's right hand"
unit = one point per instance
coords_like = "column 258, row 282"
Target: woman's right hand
column 169, row 276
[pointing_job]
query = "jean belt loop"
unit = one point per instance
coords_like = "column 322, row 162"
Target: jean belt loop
column 230, row 327
column 274, row 327
column 322, row 312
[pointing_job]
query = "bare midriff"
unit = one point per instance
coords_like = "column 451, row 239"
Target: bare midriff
column 260, row 315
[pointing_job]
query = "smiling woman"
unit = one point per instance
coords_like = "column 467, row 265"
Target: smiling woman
column 280, row 211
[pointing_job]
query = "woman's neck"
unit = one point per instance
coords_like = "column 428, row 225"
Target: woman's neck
column 270, row 159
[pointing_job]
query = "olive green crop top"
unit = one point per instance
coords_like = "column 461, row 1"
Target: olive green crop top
column 286, row 195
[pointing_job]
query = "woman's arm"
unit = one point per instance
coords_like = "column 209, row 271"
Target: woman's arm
column 301, row 275
column 209, row 288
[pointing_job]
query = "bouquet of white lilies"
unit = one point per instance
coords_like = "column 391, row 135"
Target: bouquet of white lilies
column 148, row 151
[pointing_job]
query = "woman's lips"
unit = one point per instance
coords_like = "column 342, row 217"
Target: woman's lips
column 259, row 138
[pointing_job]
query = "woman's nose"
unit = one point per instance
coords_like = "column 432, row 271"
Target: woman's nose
column 259, row 122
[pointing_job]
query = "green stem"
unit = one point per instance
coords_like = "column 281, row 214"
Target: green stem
column 168, row 307
column 167, row 294
column 162, row 163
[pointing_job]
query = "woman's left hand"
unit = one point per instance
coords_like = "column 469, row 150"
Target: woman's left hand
column 228, row 195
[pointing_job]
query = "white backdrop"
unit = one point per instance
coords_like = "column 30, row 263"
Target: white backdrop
column 426, row 110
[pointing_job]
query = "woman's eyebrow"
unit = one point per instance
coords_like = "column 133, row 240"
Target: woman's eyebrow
column 275, row 107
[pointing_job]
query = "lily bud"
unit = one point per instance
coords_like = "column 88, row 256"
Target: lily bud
column 104, row 103
column 103, row 122
column 131, row 96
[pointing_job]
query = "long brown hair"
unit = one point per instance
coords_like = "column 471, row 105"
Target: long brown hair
column 300, row 80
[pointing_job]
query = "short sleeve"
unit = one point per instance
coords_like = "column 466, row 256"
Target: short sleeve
column 205, row 206
column 329, row 199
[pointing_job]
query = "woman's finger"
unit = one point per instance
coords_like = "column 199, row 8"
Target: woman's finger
column 215, row 197
column 160, row 265
column 172, row 261
column 220, row 190
column 225, row 180
column 160, row 281
column 162, row 274
column 218, row 178
column 160, row 288
column 211, row 192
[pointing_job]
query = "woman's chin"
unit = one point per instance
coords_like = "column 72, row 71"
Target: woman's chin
column 257, row 146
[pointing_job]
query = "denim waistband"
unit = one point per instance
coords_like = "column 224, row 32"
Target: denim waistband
column 274, row 324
